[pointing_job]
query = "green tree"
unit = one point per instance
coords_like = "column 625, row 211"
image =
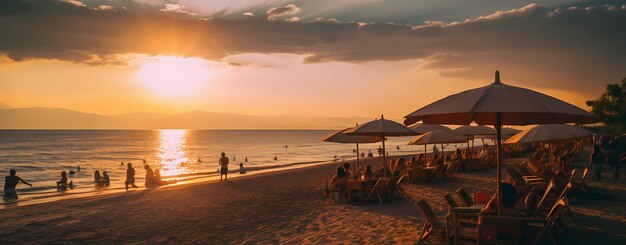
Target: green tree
column 611, row 108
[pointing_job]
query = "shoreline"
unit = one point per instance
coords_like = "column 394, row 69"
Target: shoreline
column 35, row 198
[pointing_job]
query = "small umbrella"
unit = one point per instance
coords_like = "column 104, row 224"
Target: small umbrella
column 381, row 128
column 499, row 104
column 438, row 137
column 473, row 132
column 342, row 137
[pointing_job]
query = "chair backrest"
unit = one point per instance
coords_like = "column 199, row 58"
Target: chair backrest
column 380, row 184
column 543, row 200
column 514, row 226
column 571, row 175
column 464, row 196
column 426, row 211
column 450, row 201
column 582, row 179
column 354, row 185
column 401, row 179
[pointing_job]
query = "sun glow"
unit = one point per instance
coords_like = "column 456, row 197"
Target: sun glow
column 174, row 76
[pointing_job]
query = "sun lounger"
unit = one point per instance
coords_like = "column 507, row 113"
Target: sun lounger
column 465, row 197
column 515, row 229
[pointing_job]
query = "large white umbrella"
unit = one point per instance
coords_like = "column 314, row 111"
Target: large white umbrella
column 381, row 128
column 547, row 133
column 341, row 137
column 499, row 104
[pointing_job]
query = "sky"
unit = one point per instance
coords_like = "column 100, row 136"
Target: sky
column 316, row 58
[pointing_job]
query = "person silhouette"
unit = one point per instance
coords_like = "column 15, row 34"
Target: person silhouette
column 10, row 182
column 223, row 162
column 130, row 176
column 62, row 184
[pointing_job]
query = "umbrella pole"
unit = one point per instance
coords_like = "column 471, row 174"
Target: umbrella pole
column 357, row 156
column 384, row 151
column 498, row 163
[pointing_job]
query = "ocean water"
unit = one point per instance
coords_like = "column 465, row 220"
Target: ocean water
column 39, row 156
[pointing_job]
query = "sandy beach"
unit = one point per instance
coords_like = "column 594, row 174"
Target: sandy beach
column 286, row 207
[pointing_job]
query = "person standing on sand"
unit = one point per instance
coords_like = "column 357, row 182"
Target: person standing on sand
column 223, row 167
column 9, row 185
column 130, row 176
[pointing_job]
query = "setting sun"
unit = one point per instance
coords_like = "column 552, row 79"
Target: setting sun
column 174, row 76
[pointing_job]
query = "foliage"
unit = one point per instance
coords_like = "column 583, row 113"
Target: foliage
column 611, row 108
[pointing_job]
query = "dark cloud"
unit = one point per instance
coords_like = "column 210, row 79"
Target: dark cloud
column 579, row 44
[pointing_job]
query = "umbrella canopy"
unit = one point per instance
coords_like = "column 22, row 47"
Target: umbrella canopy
column 517, row 106
column 506, row 133
column 474, row 130
column 381, row 128
column 499, row 104
column 438, row 137
column 548, row 132
column 425, row 128
column 342, row 137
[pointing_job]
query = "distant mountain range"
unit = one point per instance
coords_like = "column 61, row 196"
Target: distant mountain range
column 58, row 118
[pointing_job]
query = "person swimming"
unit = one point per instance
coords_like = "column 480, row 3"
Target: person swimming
column 10, row 182
column 97, row 178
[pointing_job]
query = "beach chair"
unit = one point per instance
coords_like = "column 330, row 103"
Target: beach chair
column 451, row 168
column 547, row 226
column 354, row 190
column 439, row 173
column 432, row 224
column 549, row 199
column 516, row 229
column 397, row 188
column 451, row 201
column 417, row 174
column 465, row 197
column 581, row 185
column 376, row 190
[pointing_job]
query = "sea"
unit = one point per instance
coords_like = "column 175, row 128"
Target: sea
column 39, row 156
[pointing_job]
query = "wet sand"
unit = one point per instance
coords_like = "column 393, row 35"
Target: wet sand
column 278, row 207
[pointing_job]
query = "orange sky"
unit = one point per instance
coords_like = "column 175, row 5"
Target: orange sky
column 268, row 65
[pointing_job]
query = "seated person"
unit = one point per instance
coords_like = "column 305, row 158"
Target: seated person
column 62, row 184
column 400, row 167
column 368, row 174
column 340, row 179
column 512, row 204
column 105, row 181
column 97, row 179
column 242, row 169
column 347, row 170
column 150, row 179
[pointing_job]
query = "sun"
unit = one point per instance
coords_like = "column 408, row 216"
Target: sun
column 174, row 76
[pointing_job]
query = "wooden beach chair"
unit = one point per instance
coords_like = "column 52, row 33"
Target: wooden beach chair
column 547, row 226
column 432, row 224
column 450, row 201
column 355, row 190
column 465, row 197
column 581, row 186
column 376, row 190
column 515, row 227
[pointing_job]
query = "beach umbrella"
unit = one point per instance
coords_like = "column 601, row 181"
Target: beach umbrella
column 506, row 133
column 343, row 138
column 425, row 128
column 438, row 137
column 473, row 131
column 381, row 128
column 499, row 104
column 548, row 133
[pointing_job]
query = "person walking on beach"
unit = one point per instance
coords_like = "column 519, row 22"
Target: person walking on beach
column 597, row 161
column 130, row 176
column 223, row 167
column 9, row 185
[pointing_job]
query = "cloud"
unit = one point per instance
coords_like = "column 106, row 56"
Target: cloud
column 105, row 7
column 293, row 19
column 534, row 43
column 248, row 14
column 176, row 8
column 290, row 9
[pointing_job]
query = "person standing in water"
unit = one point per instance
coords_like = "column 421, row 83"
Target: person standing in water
column 223, row 167
column 9, row 185
column 130, row 176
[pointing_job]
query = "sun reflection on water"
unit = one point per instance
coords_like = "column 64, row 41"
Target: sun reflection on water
column 171, row 151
